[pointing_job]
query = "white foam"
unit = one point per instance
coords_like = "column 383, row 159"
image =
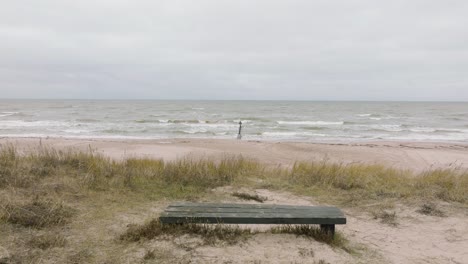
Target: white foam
column 4, row 114
column 292, row 134
column 75, row 131
column 311, row 123
column 379, row 127
column 426, row 137
column 195, row 130
column 21, row 123
column 422, row 129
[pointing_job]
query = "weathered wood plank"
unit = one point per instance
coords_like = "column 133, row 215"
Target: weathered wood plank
column 241, row 214
column 256, row 210
column 250, row 220
column 251, row 214
column 233, row 205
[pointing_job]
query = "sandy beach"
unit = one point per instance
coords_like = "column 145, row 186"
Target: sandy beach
column 417, row 156
column 412, row 237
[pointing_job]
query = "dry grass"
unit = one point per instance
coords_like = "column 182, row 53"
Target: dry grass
column 96, row 172
column 187, row 178
column 355, row 183
column 150, row 254
column 388, row 218
column 38, row 214
column 249, row 197
column 39, row 188
column 211, row 233
column 315, row 233
column 82, row 256
column 431, row 209
column 46, row 241
column 321, row 261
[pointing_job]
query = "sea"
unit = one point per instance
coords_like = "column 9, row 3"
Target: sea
column 261, row 120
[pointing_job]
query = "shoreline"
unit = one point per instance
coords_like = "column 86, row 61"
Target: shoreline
column 412, row 155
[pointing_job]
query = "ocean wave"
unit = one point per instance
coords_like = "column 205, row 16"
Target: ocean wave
column 376, row 128
column 123, row 130
column 195, row 131
column 4, row 114
column 433, row 137
column 144, row 121
column 87, row 120
column 311, row 123
column 313, row 128
column 76, row 131
column 448, row 130
column 21, row 123
column 60, row 106
column 434, row 130
column 377, row 116
column 173, row 121
column 15, row 114
column 292, row 134
column 39, row 135
column 181, row 121
column 252, row 119
column 422, row 129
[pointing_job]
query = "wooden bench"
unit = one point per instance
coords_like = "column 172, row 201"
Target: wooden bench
column 221, row 213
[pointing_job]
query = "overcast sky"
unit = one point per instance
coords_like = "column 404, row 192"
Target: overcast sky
column 239, row 49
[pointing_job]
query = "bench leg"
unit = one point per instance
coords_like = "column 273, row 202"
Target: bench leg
column 330, row 229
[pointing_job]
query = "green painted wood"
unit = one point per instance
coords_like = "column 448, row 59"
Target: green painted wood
column 254, row 210
column 251, row 214
column 226, row 205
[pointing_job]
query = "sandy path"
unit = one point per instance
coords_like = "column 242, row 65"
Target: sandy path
column 416, row 238
column 407, row 155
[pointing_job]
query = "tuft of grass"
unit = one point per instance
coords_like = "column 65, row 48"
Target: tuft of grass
column 359, row 182
column 211, row 233
column 38, row 214
column 149, row 255
column 321, row 261
column 338, row 240
column 246, row 196
column 82, row 256
column 389, row 218
column 46, row 241
column 430, row 209
column 306, row 252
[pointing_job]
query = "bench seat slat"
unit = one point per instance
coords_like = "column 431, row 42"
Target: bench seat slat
column 254, row 210
column 224, row 205
column 251, row 220
column 251, row 214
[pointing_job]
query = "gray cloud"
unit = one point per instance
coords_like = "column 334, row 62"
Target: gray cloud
column 309, row 50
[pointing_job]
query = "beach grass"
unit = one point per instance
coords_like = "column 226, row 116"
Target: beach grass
column 352, row 184
column 55, row 200
column 211, row 233
column 314, row 232
column 249, row 197
column 90, row 170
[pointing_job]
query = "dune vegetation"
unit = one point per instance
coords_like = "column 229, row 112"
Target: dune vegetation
column 54, row 204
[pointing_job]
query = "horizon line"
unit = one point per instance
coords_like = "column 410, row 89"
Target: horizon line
column 252, row 100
